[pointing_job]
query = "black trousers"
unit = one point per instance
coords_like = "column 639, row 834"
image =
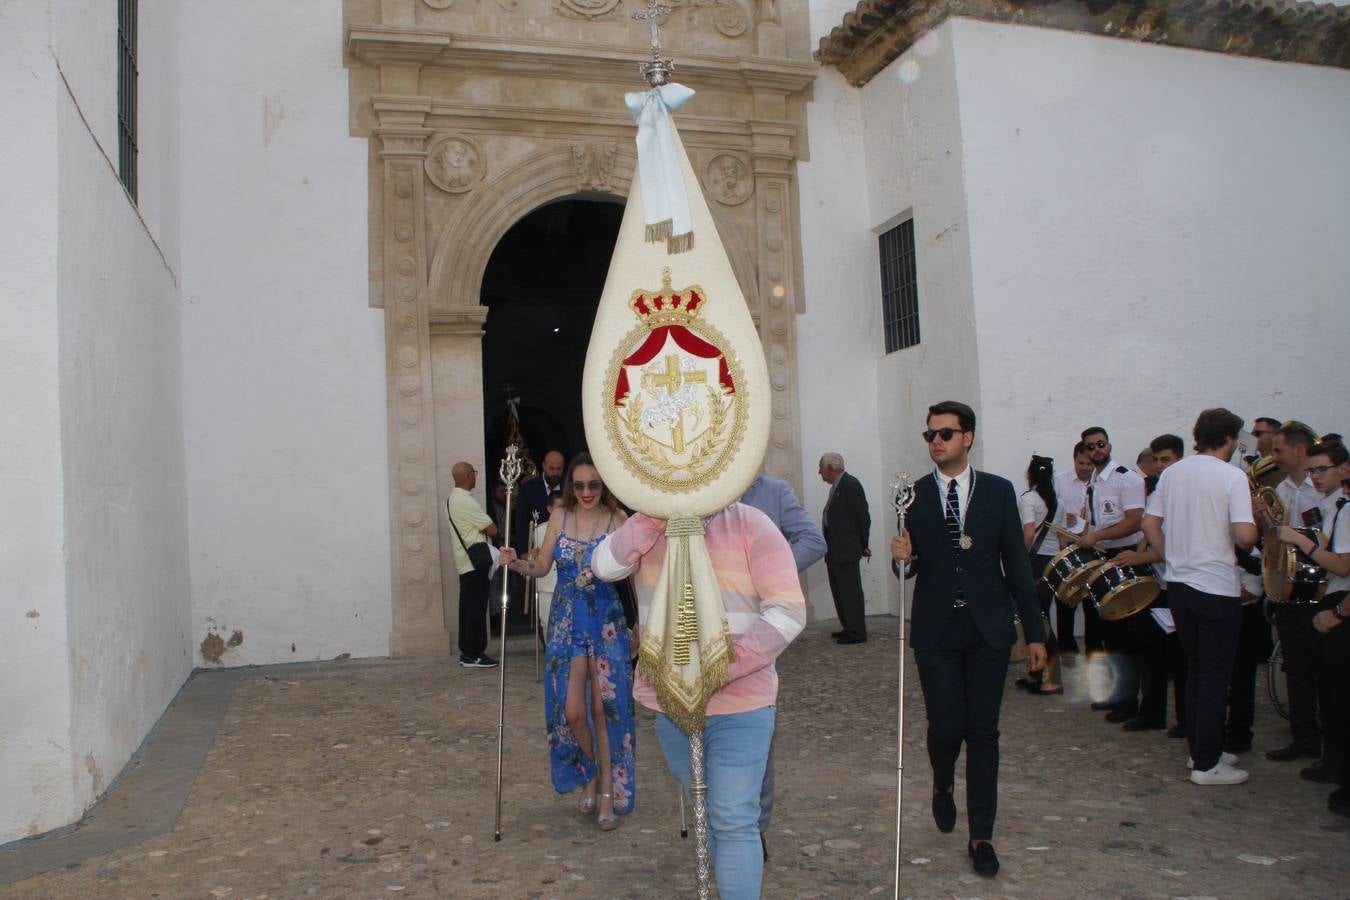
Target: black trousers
column 1333, row 683
column 473, row 607
column 846, row 589
column 1253, row 648
column 1208, row 625
column 1298, row 641
column 1094, row 629
column 962, row 680
column 1064, row 616
column 1142, row 666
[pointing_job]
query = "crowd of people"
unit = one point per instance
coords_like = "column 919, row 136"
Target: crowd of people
column 984, row 558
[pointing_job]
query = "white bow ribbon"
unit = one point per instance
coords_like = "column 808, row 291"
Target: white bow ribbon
column 665, row 201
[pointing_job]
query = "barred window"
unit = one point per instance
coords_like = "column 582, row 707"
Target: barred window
column 126, row 94
column 899, row 287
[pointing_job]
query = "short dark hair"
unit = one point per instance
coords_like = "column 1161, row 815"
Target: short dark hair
column 1298, row 434
column 1168, row 442
column 964, row 414
column 1215, row 426
column 1080, row 448
column 1267, row 420
column 1095, row 429
column 1145, row 455
column 1333, row 450
column 1332, row 437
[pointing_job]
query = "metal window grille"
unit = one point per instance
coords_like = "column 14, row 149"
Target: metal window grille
column 899, row 287
column 126, row 94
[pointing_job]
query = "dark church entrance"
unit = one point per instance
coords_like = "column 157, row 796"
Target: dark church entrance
column 541, row 288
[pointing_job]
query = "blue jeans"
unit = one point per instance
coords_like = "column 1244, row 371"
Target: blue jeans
column 734, row 750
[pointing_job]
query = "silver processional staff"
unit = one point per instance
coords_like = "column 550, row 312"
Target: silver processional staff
column 902, row 495
column 510, row 474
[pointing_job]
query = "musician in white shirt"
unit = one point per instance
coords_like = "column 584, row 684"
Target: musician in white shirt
column 1071, row 494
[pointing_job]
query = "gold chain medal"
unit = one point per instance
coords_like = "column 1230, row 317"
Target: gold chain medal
column 675, row 399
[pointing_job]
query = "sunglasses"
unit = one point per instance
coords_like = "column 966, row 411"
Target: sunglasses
column 1320, row 470
column 1095, row 445
column 590, row 486
column 945, row 433
column 1263, row 433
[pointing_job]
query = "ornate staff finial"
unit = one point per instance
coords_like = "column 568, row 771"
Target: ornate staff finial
column 902, row 494
column 658, row 69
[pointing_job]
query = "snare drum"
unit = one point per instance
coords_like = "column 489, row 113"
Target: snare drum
column 1119, row 592
column 1068, row 572
column 1289, row 575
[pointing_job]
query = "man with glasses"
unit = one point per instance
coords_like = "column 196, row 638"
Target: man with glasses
column 1293, row 622
column 469, row 526
column 963, row 541
column 1115, row 509
column 1263, row 429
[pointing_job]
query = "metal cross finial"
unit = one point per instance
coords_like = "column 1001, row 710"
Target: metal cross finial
column 657, row 70
column 902, row 495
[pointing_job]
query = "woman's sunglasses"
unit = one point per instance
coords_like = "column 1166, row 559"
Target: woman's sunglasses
column 591, row 486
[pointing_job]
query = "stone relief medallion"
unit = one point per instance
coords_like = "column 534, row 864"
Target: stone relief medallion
column 454, row 164
column 439, row 4
column 588, row 9
column 730, row 18
column 675, row 410
column 728, row 179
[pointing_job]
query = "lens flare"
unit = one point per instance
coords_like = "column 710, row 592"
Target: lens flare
column 908, row 72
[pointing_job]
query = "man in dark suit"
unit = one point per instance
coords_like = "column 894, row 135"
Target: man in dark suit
column 534, row 496
column 846, row 525
column 963, row 539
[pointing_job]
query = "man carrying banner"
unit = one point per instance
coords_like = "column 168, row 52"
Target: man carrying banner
column 764, row 610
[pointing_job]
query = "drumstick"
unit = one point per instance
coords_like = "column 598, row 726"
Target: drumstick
column 1066, row 533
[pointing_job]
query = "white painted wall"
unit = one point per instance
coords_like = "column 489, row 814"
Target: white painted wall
column 1154, row 231
column 283, row 360
column 36, row 790
column 879, row 155
column 94, row 544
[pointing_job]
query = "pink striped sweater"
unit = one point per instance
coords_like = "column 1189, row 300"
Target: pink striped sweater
column 760, row 592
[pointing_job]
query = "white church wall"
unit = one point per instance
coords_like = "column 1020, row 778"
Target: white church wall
column 1154, row 231
column 880, row 155
column 36, row 786
column 283, row 360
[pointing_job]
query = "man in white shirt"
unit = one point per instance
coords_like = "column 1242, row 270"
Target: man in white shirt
column 1071, row 494
column 1201, row 508
column 1293, row 622
column 1329, row 466
column 1115, row 507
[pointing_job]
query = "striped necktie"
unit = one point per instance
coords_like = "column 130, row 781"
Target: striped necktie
column 953, row 519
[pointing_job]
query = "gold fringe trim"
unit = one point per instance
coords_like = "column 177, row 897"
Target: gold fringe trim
column 679, row 243
column 659, row 231
column 688, row 712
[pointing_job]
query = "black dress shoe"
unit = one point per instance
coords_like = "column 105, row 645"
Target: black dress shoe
column 1294, row 751
column 1123, row 713
column 1178, row 731
column 837, row 634
column 1339, row 801
column 1103, row 705
column 1318, row 773
column 1141, row 724
column 985, row 859
column 851, row 640
column 944, row 811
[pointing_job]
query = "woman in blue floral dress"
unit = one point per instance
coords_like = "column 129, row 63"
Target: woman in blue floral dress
column 587, row 679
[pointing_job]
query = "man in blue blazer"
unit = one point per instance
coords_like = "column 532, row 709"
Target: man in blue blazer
column 963, row 541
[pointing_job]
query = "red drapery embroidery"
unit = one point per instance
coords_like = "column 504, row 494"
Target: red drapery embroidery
column 687, row 341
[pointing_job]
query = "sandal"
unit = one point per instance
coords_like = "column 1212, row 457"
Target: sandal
column 587, row 804
column 607, row 822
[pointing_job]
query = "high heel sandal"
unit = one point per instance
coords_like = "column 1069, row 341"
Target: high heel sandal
column 587, row 804
column 607, row 822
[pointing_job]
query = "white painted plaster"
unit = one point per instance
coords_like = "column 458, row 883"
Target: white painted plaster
column 1155, row 231
column 36, row 791
column 283, row 359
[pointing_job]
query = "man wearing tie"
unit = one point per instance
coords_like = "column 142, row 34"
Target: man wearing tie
column 963, row 540
column 846, row 525
column 534, row 496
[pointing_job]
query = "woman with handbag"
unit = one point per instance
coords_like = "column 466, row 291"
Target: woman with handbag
column 1039, row 508
column 588, row 685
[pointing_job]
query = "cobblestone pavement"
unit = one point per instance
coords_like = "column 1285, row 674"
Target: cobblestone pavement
column 378, row 781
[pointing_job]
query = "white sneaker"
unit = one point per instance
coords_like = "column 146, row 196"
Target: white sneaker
column 1225, row 759
column 1220, row 774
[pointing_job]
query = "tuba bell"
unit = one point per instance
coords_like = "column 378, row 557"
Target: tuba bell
column 1264, row 472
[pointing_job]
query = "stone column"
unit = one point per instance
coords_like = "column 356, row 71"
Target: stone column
column 418, row 620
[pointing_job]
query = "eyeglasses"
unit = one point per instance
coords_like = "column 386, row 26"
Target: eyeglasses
column 1320, row 470
column 1258, row 434
column 1095, row 445
column 590, row 486
column 945, row 433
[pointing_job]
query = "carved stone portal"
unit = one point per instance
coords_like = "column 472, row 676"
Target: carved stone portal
column 470, row 134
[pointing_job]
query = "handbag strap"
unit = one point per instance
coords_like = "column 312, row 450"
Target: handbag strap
column 452, row 525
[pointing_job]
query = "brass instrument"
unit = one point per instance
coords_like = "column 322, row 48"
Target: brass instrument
column 1264, row 472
